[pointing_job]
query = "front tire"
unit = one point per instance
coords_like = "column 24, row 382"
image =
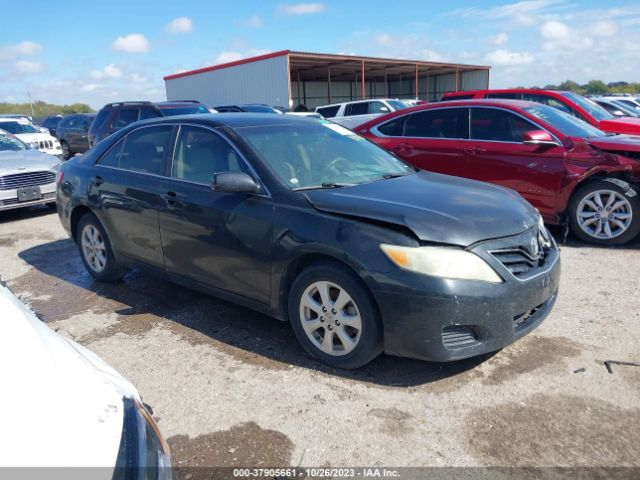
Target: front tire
column 601, row 212
column 334, row 316
column 96, row 252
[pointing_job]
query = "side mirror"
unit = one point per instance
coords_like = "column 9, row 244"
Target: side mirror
column 538, row 137
column 234, row 182
column 618, row 113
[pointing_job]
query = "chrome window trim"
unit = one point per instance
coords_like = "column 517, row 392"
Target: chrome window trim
column 377, row 133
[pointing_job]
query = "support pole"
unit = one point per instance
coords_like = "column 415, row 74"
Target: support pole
column 329, row 85
column 363, row 82
column 417, row 81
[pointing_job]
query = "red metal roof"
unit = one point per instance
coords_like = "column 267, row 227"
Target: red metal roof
column 227, row 65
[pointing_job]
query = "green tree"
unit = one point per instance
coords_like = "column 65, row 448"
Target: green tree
column 596, row 87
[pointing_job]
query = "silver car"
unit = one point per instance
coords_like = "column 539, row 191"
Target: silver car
column 27, row 177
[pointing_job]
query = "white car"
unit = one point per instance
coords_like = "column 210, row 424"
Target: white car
column 352, row 114
column 62, row 406
column 628, row 101
column 31, row 135
column 27, row 177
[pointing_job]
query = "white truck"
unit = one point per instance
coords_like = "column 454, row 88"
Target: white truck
column 352, row 114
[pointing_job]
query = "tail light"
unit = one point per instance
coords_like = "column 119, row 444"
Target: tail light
column 59, row 178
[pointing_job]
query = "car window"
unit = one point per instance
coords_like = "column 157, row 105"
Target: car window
column 101, row 117
column 567, row 124
column 64, row 123
column 11, row 144
column 394, row 127
column 200, row 153
column 112, row 157
column 498, row 125
column 378, row 107
column 360, row 108
column 506, row 96
column 328, row 112
column 144, row 149
column 148, row 112
column 126, row 116
column 438, row 123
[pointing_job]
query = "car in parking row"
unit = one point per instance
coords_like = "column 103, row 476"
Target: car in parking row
column 306, row 221
column 354, row 113
column 73, row 133
column 570, row 171
column 31, row 134
column 569, row 102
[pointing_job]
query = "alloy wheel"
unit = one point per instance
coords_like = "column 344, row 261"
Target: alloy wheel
column 604, row 214
column 330, row 318
column 94, row 248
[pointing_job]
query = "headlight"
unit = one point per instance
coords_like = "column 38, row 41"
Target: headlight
column 143, row 453
column 446, row 262
column 34, row 145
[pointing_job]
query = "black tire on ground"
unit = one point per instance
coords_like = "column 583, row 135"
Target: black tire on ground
column 112, row 271
column 609, row 185
column 66, row 153
column 370, row 343
column 52, row 205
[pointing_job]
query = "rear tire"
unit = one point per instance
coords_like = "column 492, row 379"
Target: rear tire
column 334, row 316
column 95, row 250
column 601, row 212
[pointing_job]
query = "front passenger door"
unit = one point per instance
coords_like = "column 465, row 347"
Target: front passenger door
column 222, row 240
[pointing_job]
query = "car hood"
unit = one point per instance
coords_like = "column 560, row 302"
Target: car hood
column 627, row 125
column 623, row 143
column 436, row 208
column 26, row 161
column 61, row 405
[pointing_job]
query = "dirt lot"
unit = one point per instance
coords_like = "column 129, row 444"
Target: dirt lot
column 232, row 387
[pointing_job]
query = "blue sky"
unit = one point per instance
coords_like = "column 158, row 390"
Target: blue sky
column 96, row 52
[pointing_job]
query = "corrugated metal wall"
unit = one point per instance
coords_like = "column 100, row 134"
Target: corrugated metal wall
column 263, row 81
column 475, row 80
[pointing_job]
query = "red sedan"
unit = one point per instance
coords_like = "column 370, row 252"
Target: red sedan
column 571, row 172
column 569, row 102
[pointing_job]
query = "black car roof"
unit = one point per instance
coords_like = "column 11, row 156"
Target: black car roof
column 233, row 120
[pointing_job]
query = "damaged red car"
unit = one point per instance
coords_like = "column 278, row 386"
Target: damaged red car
column 570, row 171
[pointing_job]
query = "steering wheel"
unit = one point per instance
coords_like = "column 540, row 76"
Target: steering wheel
column 333, row 165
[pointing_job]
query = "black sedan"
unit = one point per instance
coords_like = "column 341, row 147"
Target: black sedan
column 308, row 222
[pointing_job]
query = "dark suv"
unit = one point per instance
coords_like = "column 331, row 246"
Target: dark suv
column 72, row 131
column 115, row 116
column 51, row 123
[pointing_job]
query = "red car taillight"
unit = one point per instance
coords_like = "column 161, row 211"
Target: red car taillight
column 60, row 177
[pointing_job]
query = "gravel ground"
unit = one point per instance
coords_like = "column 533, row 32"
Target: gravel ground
column 232, row 387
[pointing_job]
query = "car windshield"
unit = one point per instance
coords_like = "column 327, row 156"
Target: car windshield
column 10, row 144
column 591, row 107
column 169, row 111
column 18, row 127
column 566, row 123
column 398, row 104
column 321, row 154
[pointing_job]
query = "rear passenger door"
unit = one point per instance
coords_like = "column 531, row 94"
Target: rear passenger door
column 430, row 139
column 222, row 240
column 497, row 155
column 127, row 188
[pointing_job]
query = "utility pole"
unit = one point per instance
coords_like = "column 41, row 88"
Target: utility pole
column 31, row 104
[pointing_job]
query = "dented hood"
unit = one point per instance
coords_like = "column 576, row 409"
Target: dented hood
column 622, row 143
column 436, row 208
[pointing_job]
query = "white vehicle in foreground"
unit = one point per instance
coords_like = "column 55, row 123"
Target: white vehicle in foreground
column 31, row 135
column 62, row 406
column 352, row 114
column 27, row 177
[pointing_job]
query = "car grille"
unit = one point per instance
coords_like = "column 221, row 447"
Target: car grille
column 14, row 201
column 30, row 179
column 458, row 336
column 531, row 254
column 45, row 144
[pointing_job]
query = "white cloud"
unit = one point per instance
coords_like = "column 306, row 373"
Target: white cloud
column 506, row 57
column 499, row 39
column 109, row 71
column 26, row 47
column 384, row 39
column 138, row 78
column 555, row 30
column 91, row 87
column 24, row 66
column 252, row 22
column 179, row 25
column 301, row 8
column 604, row 28
column 226, row 57
column 523, row 13
column 132, row 43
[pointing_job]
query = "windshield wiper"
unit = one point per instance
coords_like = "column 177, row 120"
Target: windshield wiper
column 388, row 176
column 324, row 185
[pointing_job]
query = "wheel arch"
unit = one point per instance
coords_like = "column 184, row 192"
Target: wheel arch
column 76, row 214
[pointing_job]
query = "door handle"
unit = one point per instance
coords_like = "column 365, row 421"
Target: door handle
column 474, row 150
column 403, row 146
column 97, row 181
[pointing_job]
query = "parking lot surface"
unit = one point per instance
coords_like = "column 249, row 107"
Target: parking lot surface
column 231, row 387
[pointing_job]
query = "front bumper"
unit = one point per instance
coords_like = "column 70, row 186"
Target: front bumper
column 9, row 198
column 440, row 319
